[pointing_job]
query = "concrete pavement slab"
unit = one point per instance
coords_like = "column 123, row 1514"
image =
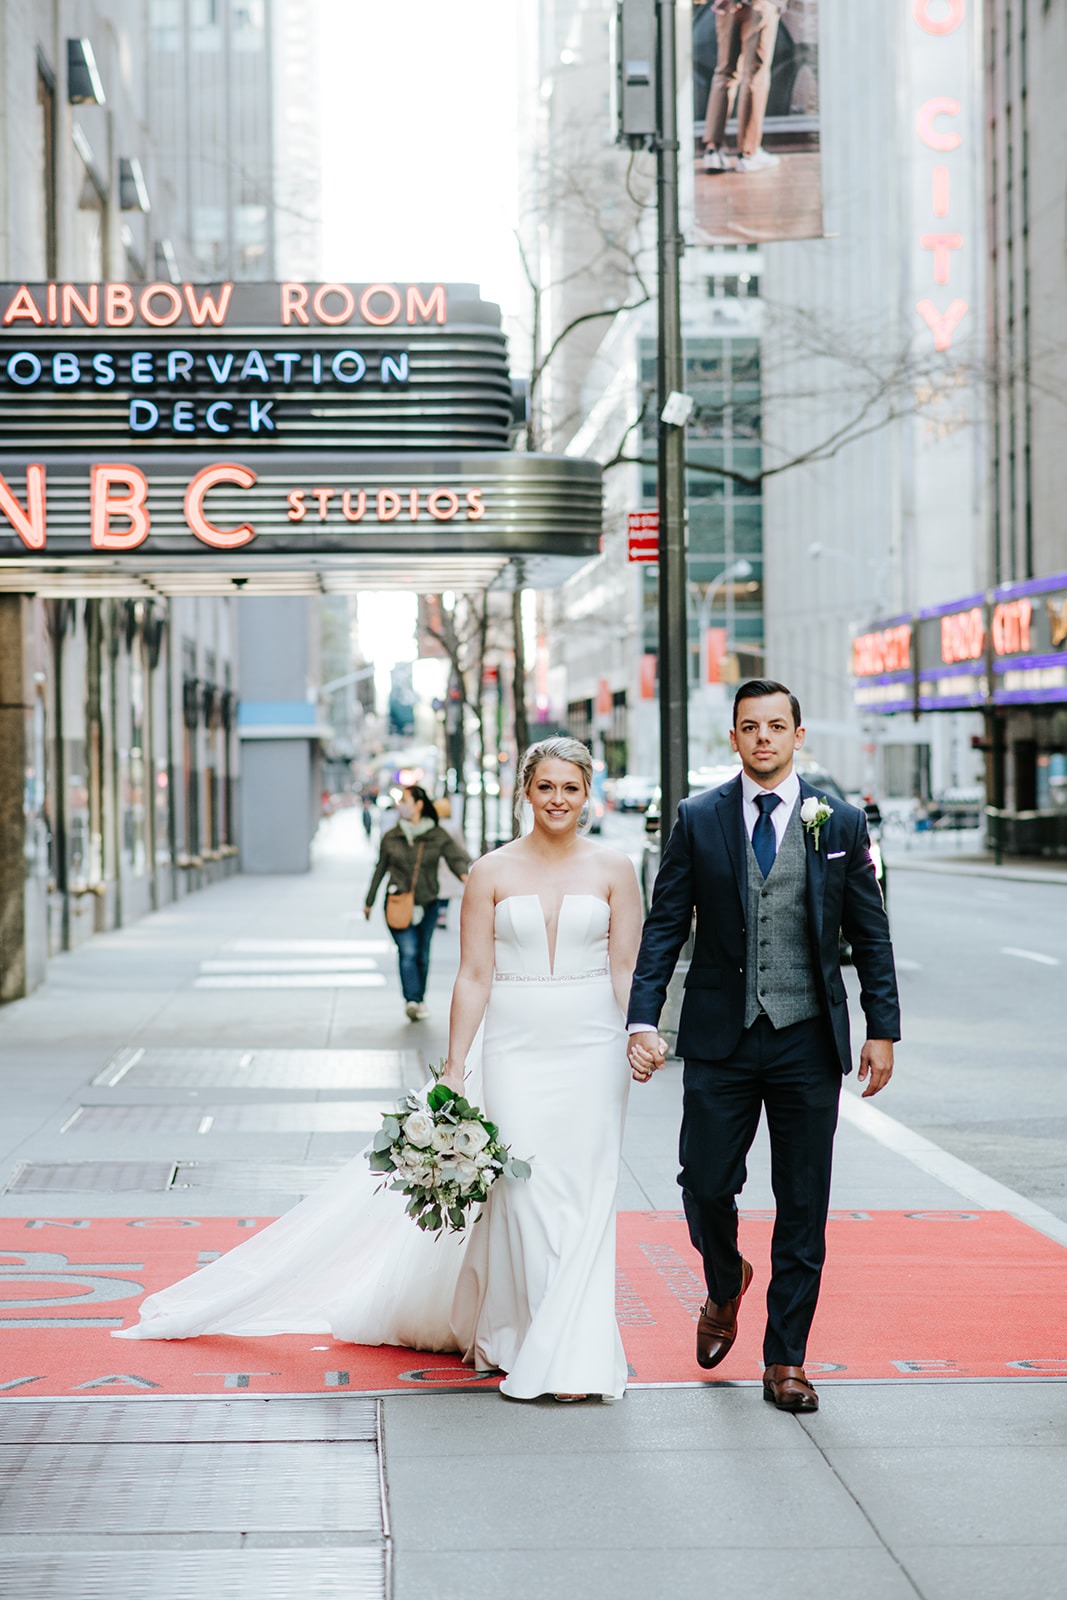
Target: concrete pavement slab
column 967, row 1415
column 613, row 1501
column 985, row 1572
column 712, row 1566
column 957, row 1495
column 484, row 1424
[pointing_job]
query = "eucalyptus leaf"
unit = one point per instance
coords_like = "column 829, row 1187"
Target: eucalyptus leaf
column 518, row 1169
column 380, row 1161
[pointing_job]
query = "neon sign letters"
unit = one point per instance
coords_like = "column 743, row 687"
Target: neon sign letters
column 120, row 515
column 936, row 130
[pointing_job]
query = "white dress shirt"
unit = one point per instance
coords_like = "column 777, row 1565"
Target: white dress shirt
column 788, row 792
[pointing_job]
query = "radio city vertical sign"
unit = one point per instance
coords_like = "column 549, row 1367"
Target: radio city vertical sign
column 299, row 366
column 945, row 144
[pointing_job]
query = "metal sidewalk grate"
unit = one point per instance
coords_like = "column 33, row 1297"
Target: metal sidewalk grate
column 121, row 1177
column 229, row 1486
column 317, row 1116
column 183, row 1574
column 257, row 1069
column 254, row 1499
column 188, row 1421
column 257, row 1177
column 107, row 1177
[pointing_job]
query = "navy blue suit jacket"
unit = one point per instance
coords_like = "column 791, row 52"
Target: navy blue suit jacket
column 705, row 869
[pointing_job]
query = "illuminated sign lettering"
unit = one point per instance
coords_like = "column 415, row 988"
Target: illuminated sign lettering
column 1011, row 627
column 963, row 635
column 303, row 365
column 935, row 128
column 120, row 516
column 887, row 650
column 161, row 305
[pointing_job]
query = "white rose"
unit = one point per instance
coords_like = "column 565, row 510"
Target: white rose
column 444, row 1139
column 470, row 1137
column 809, row 810
column 466, row 1172
column 418, row 1129
column 483, row 1159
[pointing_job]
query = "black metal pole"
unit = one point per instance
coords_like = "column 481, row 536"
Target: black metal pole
column 673, row 628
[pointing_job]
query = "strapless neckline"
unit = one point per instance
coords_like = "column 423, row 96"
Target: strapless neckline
column 550, row 951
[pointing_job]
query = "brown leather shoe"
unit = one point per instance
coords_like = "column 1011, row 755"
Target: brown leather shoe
column 789, row 1389
column 717, row 1325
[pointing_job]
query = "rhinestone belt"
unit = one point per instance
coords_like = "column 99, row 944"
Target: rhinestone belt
column 548, row 977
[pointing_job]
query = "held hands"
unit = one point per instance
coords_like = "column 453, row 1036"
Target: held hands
column 367, row 912
column 876, row 1060
column 646, row 1053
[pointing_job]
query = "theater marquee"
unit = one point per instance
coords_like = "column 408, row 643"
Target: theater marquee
column 154, row 431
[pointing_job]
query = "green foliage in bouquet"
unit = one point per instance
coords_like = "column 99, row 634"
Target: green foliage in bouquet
column 444, row 1154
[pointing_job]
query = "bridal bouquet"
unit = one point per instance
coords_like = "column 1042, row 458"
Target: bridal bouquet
column 444, row 1154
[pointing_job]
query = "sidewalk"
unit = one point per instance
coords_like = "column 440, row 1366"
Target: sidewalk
column 963, row 854
column 949, row 1490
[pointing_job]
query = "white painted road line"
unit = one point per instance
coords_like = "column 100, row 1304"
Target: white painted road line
column 904, row 965
column 308, row 947
column 292, row 964
column 1030, row 955
column 967, row 1181
column 283, row 980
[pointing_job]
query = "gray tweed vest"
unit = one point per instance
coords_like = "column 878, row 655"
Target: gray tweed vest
column 779, row 974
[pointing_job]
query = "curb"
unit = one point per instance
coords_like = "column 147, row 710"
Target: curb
column 979, row 869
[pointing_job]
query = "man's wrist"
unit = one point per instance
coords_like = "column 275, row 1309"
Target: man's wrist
column 641, row 1027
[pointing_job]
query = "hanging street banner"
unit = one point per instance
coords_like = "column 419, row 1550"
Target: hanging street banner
column 764, row 180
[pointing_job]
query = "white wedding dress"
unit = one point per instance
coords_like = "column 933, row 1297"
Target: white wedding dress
column 530, row 1287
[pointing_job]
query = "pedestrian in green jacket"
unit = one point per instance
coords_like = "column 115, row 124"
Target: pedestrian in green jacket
column 410, row 855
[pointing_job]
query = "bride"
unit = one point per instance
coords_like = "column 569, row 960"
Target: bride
column 548, row 937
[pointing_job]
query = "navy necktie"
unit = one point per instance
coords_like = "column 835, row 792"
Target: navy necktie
column 764, row 843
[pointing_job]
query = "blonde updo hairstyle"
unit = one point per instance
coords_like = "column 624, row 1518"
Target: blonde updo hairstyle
column 562, row 748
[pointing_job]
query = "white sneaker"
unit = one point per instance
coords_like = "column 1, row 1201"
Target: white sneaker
column 421, row 1012
column 714, row 160
column 412, row 1009
column 759, row 161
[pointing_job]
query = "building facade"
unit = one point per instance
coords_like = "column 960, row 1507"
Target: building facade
column 874, row 394
column 135, row 147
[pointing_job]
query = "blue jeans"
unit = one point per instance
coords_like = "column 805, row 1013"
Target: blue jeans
column 413, row 949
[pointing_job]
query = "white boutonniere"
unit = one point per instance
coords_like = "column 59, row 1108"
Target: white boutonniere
column 814, row 814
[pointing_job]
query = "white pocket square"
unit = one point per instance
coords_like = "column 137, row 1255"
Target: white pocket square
column 835, row 855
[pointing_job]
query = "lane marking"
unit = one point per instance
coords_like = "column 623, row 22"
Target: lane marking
column 949, row 1169
column 904, row 965
column 1030, row 955
column 281, row 980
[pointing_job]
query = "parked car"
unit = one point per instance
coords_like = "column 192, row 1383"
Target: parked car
column 704, row 778
column 633, row 792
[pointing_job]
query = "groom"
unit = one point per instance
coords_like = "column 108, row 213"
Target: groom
column 773, row 871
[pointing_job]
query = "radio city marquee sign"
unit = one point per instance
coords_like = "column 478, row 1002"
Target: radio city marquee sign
column 1006, row 648
column 288, row 418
